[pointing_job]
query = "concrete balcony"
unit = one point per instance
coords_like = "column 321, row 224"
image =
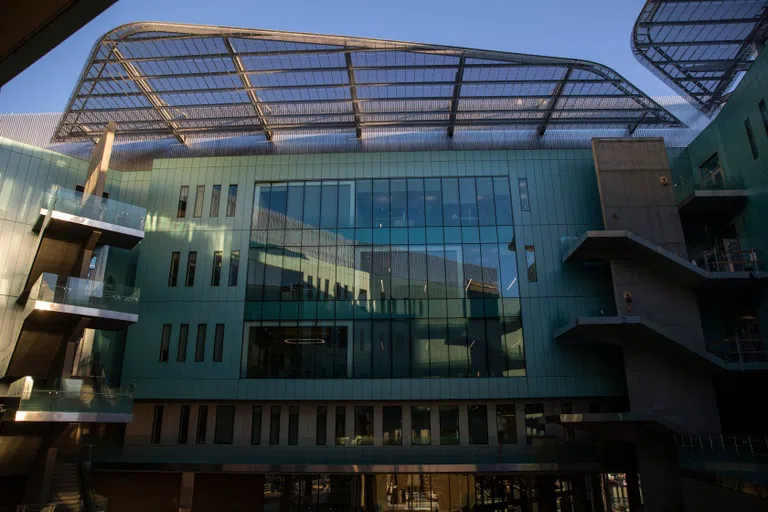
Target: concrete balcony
column 66, row 212
column 71, row 226
column 710, row 199
column 620, row 245
column 625, row 330
column 73, row 403
column 57, row 310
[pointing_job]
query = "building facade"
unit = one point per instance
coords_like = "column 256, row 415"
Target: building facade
column 507, row 327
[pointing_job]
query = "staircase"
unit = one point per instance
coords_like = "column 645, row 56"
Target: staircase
column 67, row 487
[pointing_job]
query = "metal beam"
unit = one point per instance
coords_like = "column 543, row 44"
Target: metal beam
column 455, row 96
column 246, row 81
column 558, row 92
column 688, row 23
column 148, row 93
column 353, row 94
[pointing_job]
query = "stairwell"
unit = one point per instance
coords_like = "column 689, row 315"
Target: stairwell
column 67, row 487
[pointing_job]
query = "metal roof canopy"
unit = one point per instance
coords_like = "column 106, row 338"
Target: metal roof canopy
column 170, row 80
column 700, row 47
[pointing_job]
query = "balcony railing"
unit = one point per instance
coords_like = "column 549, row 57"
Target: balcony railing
column 25, row 396
column 96, row 208
column 74, row 291
column 719, row 260
column 741, row 350
column 721, row 443
column 714, row 179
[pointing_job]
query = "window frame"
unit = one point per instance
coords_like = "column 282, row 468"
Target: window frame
column 215, row 201
column 232, row 199
column 363, row 439
column 445, row 439
column 181, row 209
column 197, row 210
column 156, row 434
column 397, row 438
column 257, row 417
column 218, row 343
column 525, row 200
column 340, row 427
column 181, row 349
column 293, row 425
column 202, row 424
column 165, row 343
column 202, row 333
column 173, row 270
column 499, row 437
column 218, row 257
column 183, row 435
column 763, row 115
column 234, row 268
column 751, row 139
column 189, row 279
column 274, row 426
column 420, row 439
column 223, row 433
column 530, row 264
column 321, row 426
column 483, row 430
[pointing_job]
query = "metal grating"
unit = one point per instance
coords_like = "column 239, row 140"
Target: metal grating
column 160, row 80
column 700, row 47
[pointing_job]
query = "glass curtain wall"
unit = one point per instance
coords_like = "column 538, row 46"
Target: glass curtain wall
column 383, row 278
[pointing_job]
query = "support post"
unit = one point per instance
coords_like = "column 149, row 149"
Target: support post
column 99, row 163
column 186, row 493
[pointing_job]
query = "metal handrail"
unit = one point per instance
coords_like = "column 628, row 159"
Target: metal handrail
column 720, row 260
column 720, row 443
column 741, row 350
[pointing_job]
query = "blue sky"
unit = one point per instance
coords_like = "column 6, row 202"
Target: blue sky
column 597, row 30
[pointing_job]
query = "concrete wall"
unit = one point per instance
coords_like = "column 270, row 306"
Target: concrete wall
column 630, row 176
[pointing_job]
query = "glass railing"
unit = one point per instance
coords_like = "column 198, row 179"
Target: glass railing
column 74, row 291
column 68, row 395
column 720, row 260
column 96, row 208
column 567, row 244
column 714, row 179
column 721, row 443
column 740, row 350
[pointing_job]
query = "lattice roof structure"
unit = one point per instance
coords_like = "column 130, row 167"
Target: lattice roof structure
column 700, row 47
column 160, row 80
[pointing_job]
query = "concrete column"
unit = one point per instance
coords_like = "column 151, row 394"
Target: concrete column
column 99, row 163
column 186, row 492
column 660, row 473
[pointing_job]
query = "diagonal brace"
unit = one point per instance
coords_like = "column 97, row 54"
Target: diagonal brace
column 558, row 92
column 455, row 96
column 353, row 94
column 252, row 96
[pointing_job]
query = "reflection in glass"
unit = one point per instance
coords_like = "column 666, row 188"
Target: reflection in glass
column 506, row 426
column 421, row 428
column 449, row 424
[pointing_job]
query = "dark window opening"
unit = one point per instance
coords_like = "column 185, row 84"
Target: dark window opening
column 363, row 425
column 191, row 267
column 200, row 343
column 173, row 273
column 449, row 424
column 321, row 426
column 232, row 201
column 165, row 343
column 421, row 427
column 225, row 424
column 764, row 115
column 216, row 268
column 534, row 421
column 751, row 137
column 202, row 424
column 293, row 425
column 183, row 425
column 181, row 352
column 234, row 267
column 218, row 343
column 478, row 424
column 530, row 263
column 341, row 425
column 256, row 413
column 181, row 210
column 392, row 424
column 506, row 424
column 522, row 185
column 274, row 425
column 157, row 425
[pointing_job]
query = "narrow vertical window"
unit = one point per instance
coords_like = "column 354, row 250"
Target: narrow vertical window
column 191, row 267
column 199, row 200
column 522, row 185
column 341, row 425
column 764, row 115
column 173, row 273
column 449, row 424
column 216, row 268
column 165, row 343
column 274, row 425
column 534, row 421
column 421, row 427
column 218, row 343
column 215, row 199
column 751, row 137
column 234, row 267
column 321, row 426
column 232, row 201
column 392, row 424
column 530, row 263
column 157, row 425
column 181, row 211
column 200, row 343
column 181, row 351
column 363, row 424
column 478, row 424
column 225, row 424
column 256, row 413
column 293, row 425
column 506, row 426
column 202, row 424
column 183, row 425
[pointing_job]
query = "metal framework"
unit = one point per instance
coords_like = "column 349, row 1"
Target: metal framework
column 159, row 80
column 700, row 47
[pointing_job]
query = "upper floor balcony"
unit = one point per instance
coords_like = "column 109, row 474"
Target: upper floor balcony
column 69, row 401
column 714, row 196
column 68, row 212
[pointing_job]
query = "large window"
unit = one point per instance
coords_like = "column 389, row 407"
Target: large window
column 405, row 278
column 506, row 426
column 478, row 424
column 534, row 421
column 421, row 426
column 225, row 424
column 392, row 424
column 199, row 200
column 363, row 424
column 449, row 424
